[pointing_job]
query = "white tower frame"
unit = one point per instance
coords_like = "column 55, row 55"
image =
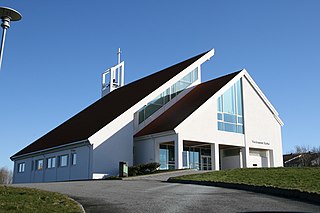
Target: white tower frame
column 116, row 77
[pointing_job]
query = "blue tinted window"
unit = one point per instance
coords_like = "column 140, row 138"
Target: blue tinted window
column 230, row 127
column 228, row 101
column 230, row 118
column 240, row 129
column 219, row 104
column 167, row 95
column 239, row 98
column 230, row 111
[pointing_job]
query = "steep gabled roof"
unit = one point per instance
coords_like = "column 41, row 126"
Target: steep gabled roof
column 178, row 112
column 99, row 114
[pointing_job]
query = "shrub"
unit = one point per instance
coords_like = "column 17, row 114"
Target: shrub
column 143, row 169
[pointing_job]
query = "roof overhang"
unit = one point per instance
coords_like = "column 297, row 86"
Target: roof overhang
column 83, row 142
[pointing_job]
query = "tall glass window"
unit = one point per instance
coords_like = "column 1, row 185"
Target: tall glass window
column 166, row 159
column 171, row 92
column 230, row 112
column 73, row 158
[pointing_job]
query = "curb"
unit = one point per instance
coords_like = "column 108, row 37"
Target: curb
column 78, row 203
column 287, row 193
column 155, row 175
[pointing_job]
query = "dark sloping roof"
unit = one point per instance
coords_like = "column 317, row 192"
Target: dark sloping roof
column 99, row 114
column 178, row 112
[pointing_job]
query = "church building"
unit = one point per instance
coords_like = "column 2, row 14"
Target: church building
column 170, row 117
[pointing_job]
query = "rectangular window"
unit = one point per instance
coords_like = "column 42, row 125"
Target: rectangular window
column 63, row 160
column 51, row 162
column 21, row 167
column 39, row 165
column 230, row 118
column 74, row 158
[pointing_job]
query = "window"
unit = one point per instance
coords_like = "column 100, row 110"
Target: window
column 63, row 160
column 21, row 167
column 171, row 92
column 230, row 113
column 39, row 165
column 51, row 162
column 74, row 158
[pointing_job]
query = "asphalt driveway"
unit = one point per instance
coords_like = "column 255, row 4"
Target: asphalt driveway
column 153, row 194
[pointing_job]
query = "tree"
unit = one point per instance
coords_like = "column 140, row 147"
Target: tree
column 5, row 176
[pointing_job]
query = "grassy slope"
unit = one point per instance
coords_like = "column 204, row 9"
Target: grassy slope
column 32, row 200
column 303, row 179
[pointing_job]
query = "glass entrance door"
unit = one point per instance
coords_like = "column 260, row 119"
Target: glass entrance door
column 206, row 162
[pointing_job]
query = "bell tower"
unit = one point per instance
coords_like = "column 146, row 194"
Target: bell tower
column 113, row 78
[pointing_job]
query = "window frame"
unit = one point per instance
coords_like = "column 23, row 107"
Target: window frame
column 50, row 164
column 21, row 167
column 60, row 160
column 74, row 159
column 38, row 167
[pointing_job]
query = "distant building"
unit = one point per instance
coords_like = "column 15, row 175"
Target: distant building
column 301, row 159
column 168, row 117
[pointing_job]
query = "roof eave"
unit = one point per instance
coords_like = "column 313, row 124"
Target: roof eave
column 13, row 157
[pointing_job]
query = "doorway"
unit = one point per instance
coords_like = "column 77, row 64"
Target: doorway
column 206, row 162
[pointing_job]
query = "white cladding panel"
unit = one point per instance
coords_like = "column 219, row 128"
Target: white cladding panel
column 262, row 130
column 118, row 147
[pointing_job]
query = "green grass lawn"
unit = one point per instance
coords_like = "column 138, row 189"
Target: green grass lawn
column 32, row 200
column 303, row 179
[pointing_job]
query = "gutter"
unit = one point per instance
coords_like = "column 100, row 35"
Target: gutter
column 49, row 149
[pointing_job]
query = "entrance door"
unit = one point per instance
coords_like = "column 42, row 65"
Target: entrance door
column 206, row 162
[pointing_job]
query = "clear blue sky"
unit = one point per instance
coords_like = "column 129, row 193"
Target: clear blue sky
column 54, row 56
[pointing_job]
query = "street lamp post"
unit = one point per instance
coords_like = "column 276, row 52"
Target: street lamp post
column 7, row 15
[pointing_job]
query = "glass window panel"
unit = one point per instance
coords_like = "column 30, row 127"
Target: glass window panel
column 150, row 109
column 228, row 101
column 163, row 155
column 195, row 74
column 63, row 160
column 141, row 116
column 230, row 118
column 185, row 158
column 49, row 163
column 219, row 104
column 240, row 120
column 171, row 153
column 188, row 78
column 240, row 129
column 74, row 158
column 220, row 116
column 21, row 167
column 220, row 126
column 39, row 164
column 239, row 97
column 158, row 101
column 230, row 127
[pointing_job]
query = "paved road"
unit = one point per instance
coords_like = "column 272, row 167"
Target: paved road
column 154, row 195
